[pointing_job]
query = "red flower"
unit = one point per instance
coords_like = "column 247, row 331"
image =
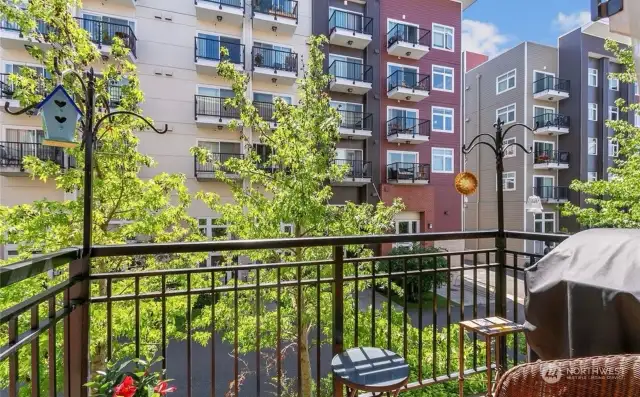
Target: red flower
column 125, row 389
column 163, row 388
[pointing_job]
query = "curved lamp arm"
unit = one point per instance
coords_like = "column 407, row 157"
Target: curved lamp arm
column 467, row 151
column 19, row 112
column 75, row 74
column 166, row 127
column 475, row 138
column 105, row 102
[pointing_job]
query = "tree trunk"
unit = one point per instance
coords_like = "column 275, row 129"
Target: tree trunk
column 305, row 364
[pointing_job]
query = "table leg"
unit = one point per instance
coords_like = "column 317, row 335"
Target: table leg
column 352, row 392
column 499, row 363
column 488, row 347
column 461, row 361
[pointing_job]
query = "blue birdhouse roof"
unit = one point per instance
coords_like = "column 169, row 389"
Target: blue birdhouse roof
column 54, row 92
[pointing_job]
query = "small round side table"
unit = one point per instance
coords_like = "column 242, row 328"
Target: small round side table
column 370, row 369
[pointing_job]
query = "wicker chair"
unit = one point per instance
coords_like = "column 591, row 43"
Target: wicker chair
column 603, row 376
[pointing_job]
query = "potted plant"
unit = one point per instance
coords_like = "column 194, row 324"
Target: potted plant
column 257, row 59
column 131, row 378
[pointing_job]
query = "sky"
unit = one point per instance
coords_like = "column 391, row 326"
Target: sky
column 492, row 26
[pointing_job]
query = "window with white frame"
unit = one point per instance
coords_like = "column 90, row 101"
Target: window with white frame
column 441, row 160
column 211, row 228
column 442, row 78
column 506, row 82
column 592, row 147
column 637, row 120
column 507, row 113
column 442, row 119
column 407, row 227
column 592, row 176
column 443, row 37
column 511, row 150
column 593, row 112
column 635, row 88
column 614, row 113
column 614, row 84
column 614, row 148
column 593, row 77
column 287, row 228
column 545, row 222
column 509, row 181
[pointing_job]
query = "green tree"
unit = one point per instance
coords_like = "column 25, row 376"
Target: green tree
column 154, row 209
column 615, row 202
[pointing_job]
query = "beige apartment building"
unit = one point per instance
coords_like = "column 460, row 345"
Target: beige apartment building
column 176, row 47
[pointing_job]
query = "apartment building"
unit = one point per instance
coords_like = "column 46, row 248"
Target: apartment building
column 563, row 91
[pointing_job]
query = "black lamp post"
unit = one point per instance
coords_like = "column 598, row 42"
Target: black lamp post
column 498, row 147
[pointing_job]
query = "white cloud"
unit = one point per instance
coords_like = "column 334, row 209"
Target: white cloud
column 483, row 37
column 567, row 22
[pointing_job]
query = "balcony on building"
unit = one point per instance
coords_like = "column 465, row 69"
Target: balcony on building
column 273, row 65
column 350, row 77
column 348, row 29
column 408, row 130
column 102, row 33
column 408, row 173
column 209, row 170
column 11, row 38
column 230, row 12
column 7, row 92
column 355, row 125
column 408, row 41
column 551, row 89
column 12, row 155
column 551, row 160
column 410, row 86
column 552, row 194
column 359, row 172
column 551, row 124
column 212, row 111
column 278, row 16
column 208, row 54
column 267, row 110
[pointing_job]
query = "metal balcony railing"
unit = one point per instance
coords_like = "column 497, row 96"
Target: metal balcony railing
column 555, row 193
column 551, row 157
column 230, row 3
column 215, row 107
column 351, row 71
column 274, row 59
column 266, row 110
column 41, row 27
column 12, row 154
column 356, row 120
column 552, row 120
column 358, row 169
column 411, row 80
column 350, row 21
column 277, row 8
column 209, row 49
column 103, row 33
column 408, row 172
column 551, row 83
column 7, row 90
column 408, row 126
column 408, row 34
column 216, row 163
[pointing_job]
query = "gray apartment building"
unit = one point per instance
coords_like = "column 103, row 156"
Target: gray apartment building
column 567, row 93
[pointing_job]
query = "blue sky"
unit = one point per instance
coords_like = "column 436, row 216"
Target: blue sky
column 491, row 26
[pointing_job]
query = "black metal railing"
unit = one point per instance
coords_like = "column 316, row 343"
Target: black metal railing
column 550, row 83
column 350, row 21
column 357, row 169
column 551, row 120
column 266, row 110
column 551, row 157
column 408, row 34
column 555, row 193
column 411, row 80
column 215, row 107
column 277, row 8
column 103, row 33
column 356, row 120
column 409, row 126
column 41, row 27
column 274, row 59
column 209, row 49
column 230, row 3
column 7, row 89
column 13, row 153
column 351, row 71
column 216, row 163
column 408, row 172
column 46, row 336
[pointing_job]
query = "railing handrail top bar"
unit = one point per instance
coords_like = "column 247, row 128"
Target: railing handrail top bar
column 108, row 23
column 409, row 72
column 553, row 237
column 210, row 96
column 218, row 40
column 354, row 63
column 235, row 154
column 255, row 47
column 220, row 2
column 19, row 271
column 349, row 12
column 405, row 162
column 26, row 143
column 408, row 118
column 409, row 25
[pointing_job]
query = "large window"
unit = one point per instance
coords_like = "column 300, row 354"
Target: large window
column 592, row 176
column 442, row 78
column 401, row 76
column 402, row 157
column 346, row 67
column 593, row 77
column 506, row 82
column 614, row 113
column 212, row 229
column 441, row 160
column 614, row 84
column 614, row 148
column 442, row 119
column 592, row 147
column 593, row 112
column 443, row 37
column 509, row 181
column 209, row 45
column 407, row 227
column 510, row 151
column 543, row 223
column 23, row 135
column 507, row 114
column 221, row 151
column 543, row 148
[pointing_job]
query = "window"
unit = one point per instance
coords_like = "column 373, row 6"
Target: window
column 443, row 37
column 543, row 223
column 544, row 150
column 345, row 67
column 287, row 228
column 614, row 148
column 506, row 82
column 221, row 151
column 592, row 176
column 614, row 113
column 442, row 78
column 637, row 120
column 403, row 76
column 208, row 46
column 24, row 135
column 593, row 146
column 509, row 181
column 593, row 112
column 442, row 119
column 212, row 229
column 593, row 77
column 394, row 157
column 614, row 84
column 406, row 227
column 635, row 88
column 442, row 160
column 543, row 186
column 511, row 151
column 507, row 114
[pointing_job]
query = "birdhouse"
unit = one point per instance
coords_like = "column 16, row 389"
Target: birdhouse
column 60, row 117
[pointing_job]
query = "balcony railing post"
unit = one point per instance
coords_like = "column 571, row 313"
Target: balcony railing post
column 76, row 330
column 338, row 309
